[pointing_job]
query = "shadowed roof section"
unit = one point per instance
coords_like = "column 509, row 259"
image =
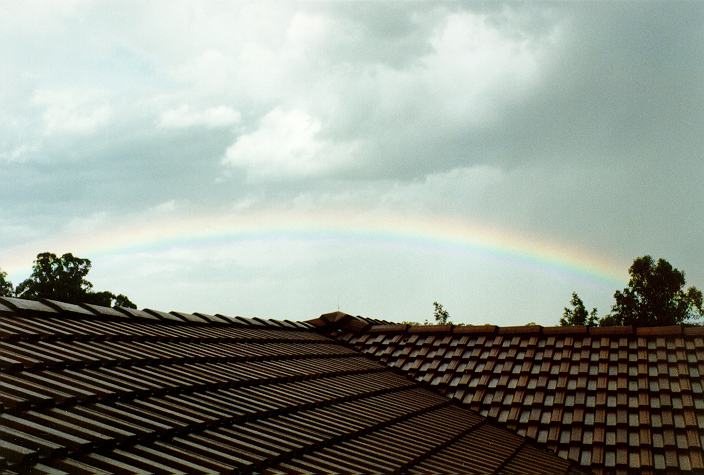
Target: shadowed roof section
column 611, row 398
column 87, row 389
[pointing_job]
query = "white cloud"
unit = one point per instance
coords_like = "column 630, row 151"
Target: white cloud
column 213, row 117
column 72, row 112
column 164, row 208
column 287, row 143
column 475, row 66
column 88, row 224
column 17, row 153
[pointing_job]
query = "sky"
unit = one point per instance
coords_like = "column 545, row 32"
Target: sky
column 285, row 159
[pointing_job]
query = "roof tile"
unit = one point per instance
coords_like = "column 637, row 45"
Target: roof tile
column 610, row 398
column 217, row 319
column 659, row 331
column 67, row 308
column 167, row 317
column 139, row 314
column 568, row 330
column 430, row 328
column 611, row 331
column 104, row 311
column 167, row 392
column 388, row 328
column 26, row 305
column 6, row 309
column 692, row 331
column 475, row 329
column 193, row 318
column 522, row 330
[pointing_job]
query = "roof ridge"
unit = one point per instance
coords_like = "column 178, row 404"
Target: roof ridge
column 403, row 328
column 49, row 307
column 344, row 321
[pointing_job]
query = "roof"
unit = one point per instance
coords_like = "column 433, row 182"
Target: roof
column 94, row 389
column 609, row 398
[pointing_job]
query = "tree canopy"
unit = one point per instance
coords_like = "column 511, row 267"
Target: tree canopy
column 6, row 289
column 64, row 279
column 656, row 295
column 578, row 315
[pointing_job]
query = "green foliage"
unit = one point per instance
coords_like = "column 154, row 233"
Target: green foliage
column 609, row 321
column 578, row 314
column 61, row 278
column 440, row 314
column 6, row 289
column 656, row 295
column 64, row 279
column 123, row 301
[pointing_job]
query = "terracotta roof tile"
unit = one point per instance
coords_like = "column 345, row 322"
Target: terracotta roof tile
column 94, row 390
column 575, row 330
column 388, row 328
column 611, row 399
column 611, row 331
column 430, row 328
column 522, row 330
column 659, row 331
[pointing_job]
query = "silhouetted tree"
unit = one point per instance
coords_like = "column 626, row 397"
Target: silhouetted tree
column 655, row 295
column 6, row 289
column 609, row 321
column 63, row 278
column 578, row 314
column 441, row 315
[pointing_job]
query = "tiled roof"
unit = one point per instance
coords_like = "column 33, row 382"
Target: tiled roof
column 87, row 389
column 609, row 398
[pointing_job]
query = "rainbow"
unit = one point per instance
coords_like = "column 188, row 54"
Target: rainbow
column 450, row 234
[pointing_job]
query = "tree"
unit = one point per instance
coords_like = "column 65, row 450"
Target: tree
column 609, row 321
column 655, row 295
column 578, row 314
column 441, row 315
column 63, row 278
column 6, row 289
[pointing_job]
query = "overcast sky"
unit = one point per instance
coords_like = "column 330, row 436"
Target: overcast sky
column 288, row 159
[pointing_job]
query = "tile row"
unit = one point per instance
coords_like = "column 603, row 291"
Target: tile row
column 150, row 392
column 607, row 402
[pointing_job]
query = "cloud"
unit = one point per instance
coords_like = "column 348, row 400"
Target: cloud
column 72, row 112
column 287, row 144
column 18, row 153
column 578, row 122
column 212, row 117
column 164, row 208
